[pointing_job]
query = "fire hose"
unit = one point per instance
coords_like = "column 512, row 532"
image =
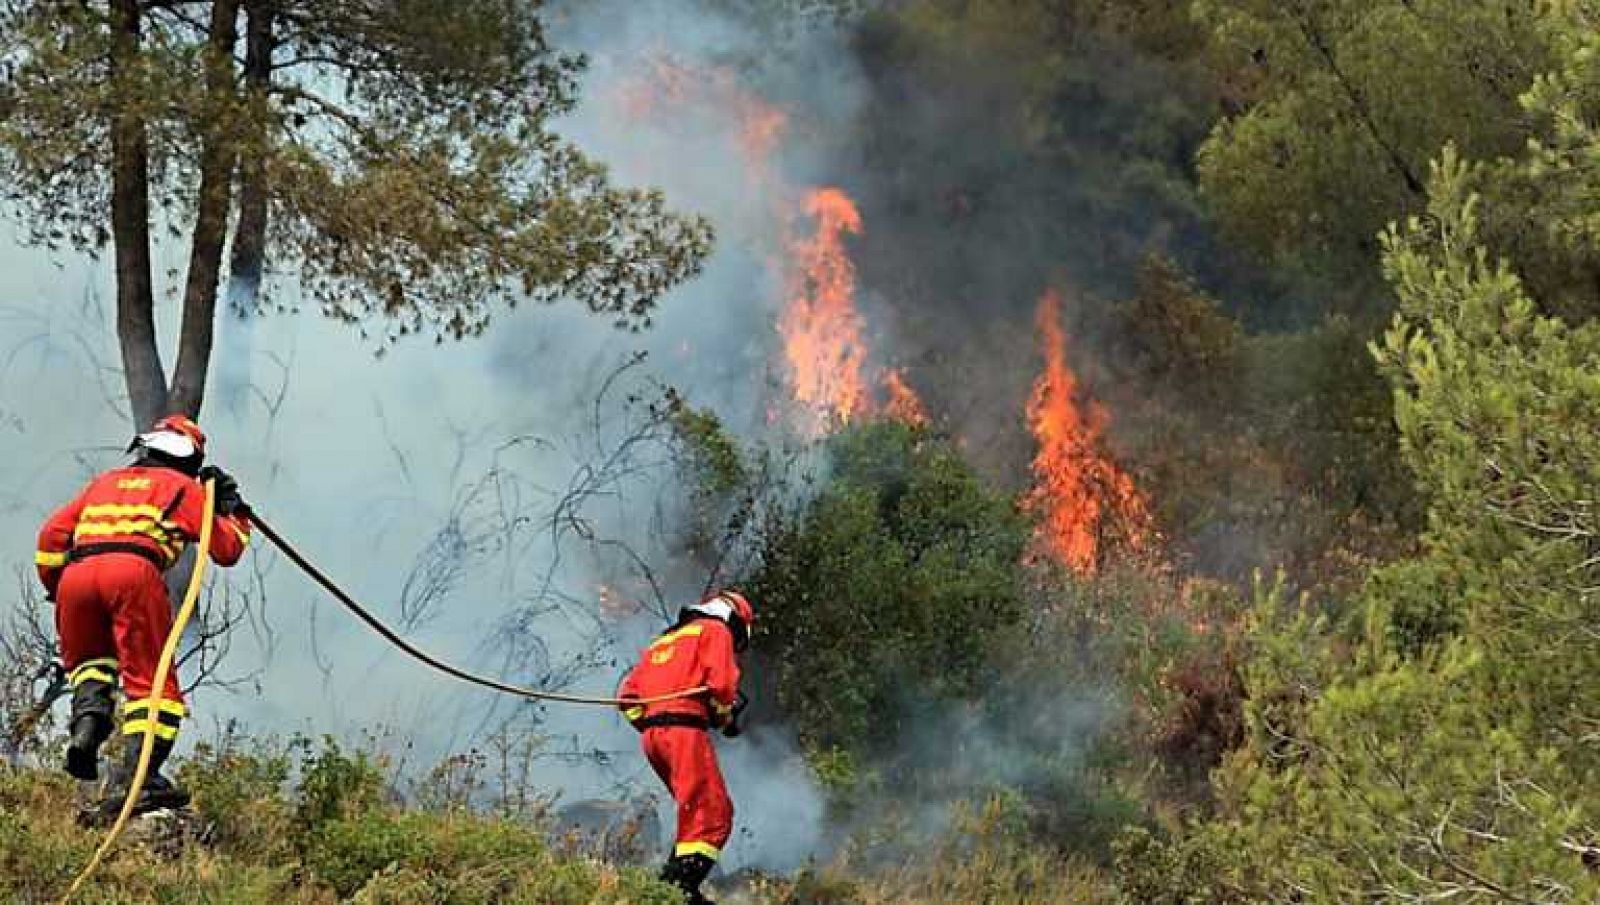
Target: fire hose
column 186, row 612
column 169, row 652
column 427, row 659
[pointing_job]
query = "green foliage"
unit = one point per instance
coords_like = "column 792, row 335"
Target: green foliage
column 1345, row 102
column 1192, row 869
column 1012, row 140
column 348, row 846
column 238, row 787
column 716, row 465
column 888, row 588
column 464, row 860
column 1264, row 449
column 334, row 785
column 405, row 148
column 1450, row 754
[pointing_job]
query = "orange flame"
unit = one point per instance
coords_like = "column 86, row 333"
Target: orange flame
column 822, row 331
column 1081, row 498
column 823, row 334
column 904, row 404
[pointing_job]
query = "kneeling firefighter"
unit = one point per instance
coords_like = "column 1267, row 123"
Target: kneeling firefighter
column 101, row 558
column 699, row 650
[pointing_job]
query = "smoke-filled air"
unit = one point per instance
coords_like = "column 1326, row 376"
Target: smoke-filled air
column 818, row 452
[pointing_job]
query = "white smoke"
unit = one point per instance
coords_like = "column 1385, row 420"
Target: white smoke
column 370, row 462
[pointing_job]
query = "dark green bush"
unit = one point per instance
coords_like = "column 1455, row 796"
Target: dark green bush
column 889, row 588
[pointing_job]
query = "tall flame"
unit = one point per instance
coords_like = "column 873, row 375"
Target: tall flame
column 821, row 329
column 824, row 336
column 1082, row 499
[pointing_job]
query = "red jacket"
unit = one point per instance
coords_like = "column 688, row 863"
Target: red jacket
column 157, row 509
column 693, row 653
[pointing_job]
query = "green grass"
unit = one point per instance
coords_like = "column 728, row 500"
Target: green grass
column 304, row 823
column 299, row 825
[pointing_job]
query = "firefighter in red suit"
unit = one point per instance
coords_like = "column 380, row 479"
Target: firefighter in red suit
column 699, row 650
column 101, row 558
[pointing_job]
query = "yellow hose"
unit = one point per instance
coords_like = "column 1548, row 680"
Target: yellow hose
column 147, row 745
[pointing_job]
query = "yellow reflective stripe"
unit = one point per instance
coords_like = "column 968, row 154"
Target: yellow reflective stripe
column 171, row 541
column 163, row 535
column 721, row 708
column 633, row 714
column 243, row 535
column 143, row 705
column 688, row 631
column 49, row 560
column 102, row 669
column 118, row 511
column 140, row 726
column 697, row 848
column 81, row 675
column 134, row 526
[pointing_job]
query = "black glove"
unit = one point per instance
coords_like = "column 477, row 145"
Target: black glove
column 734, row 727
column 229, row 502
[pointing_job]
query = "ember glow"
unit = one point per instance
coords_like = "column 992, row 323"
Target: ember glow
column 1084, row 502
column 823, row 334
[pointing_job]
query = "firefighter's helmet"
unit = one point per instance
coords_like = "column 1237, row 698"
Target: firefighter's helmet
column 176, row 438
column 742, row 619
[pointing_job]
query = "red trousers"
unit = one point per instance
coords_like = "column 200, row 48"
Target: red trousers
column 115, row 607
column 686, row 761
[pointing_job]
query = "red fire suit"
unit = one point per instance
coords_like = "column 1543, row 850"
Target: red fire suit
column 102, row 556
column 675, row 740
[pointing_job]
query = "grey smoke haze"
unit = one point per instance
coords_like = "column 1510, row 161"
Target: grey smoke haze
column 373, row 465
column 368, row 461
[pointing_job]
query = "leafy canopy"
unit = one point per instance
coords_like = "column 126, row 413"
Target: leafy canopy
column 406, row 148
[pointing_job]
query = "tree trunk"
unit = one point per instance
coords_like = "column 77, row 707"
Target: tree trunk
column 130, row 223
column 217, row 157
column 250, row 234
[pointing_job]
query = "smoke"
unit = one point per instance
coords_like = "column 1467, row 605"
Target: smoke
column 461, row 489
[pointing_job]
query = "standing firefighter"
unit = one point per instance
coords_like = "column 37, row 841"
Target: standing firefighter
column 101, row 558
column 699, row 651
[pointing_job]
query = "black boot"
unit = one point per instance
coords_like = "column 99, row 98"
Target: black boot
column 687, row 872
column 91, row 725
column 159, row 792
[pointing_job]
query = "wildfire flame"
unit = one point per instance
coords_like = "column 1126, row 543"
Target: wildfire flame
column 822, row 331
column 904, row 404
column 824, row 336
column 1082, row 499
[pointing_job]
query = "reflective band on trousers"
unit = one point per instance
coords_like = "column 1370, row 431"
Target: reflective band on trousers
column 697, row 848
column 136, row 720
column 103, row 669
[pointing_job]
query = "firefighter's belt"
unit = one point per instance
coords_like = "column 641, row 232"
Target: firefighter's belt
column 85, row 551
